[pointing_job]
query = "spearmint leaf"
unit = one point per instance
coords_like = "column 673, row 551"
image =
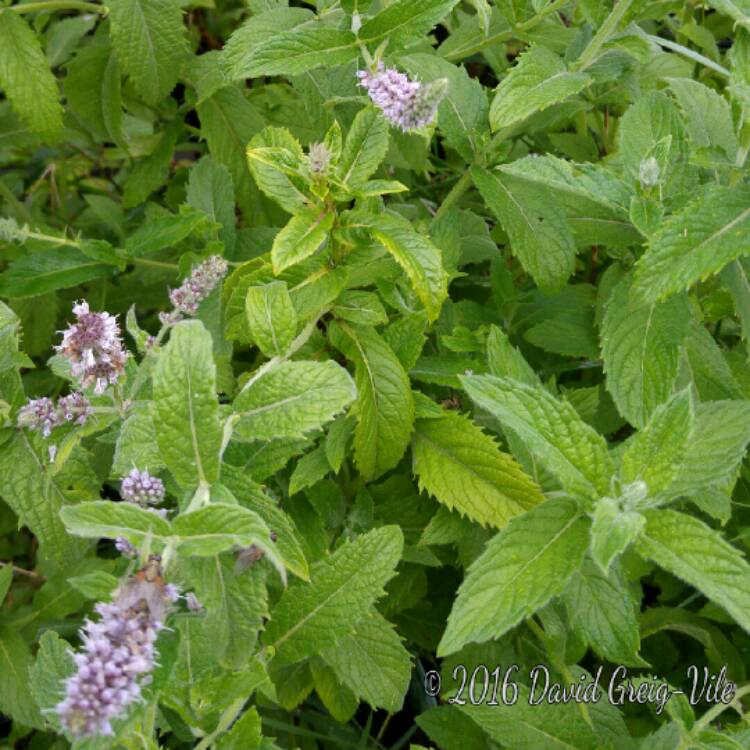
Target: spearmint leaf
column 217, row 527
column 655, row 453
column 462, row 467
column 271, row 317
column 372, row 662
column 365, row 147
column 53, row 664
column 538, row 230
column 537, row 81
column 339, row 701
column 700, row 556
column 104, row 518
column 551, row 428
column 360, row 308
column 414, row 252
column 164, row 231
column 292, row 399
column 136, row 446
column 26, row 78
column 36, row 497
column 149, row 39
column 504, row 360
column 211, row 190
column 304, row 235
column 695, row 243
column 310, row 618
column 16, row 661
column 385, row 405
column 600, row 609
column 612, row 531
column 641, row 351
column 520, row 570
column 405, row 20
column 186, row 405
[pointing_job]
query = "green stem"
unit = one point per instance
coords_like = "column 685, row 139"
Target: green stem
column 154, row 264
column 718, row 709
column 58, row 5
column 48, row 237
column 689, row 53
column 611, row 22
column 226, row 720
column 455, row 193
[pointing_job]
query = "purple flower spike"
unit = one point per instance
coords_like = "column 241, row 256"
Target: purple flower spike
column 40, row 414
column 405, row 103
column 198, row 285
column 75, row 408
column 93, row 347
column 141, row 488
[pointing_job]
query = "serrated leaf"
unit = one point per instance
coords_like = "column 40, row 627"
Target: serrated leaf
column 695, row 243
column 462, row 467
column 136, row 446
column 292, row 399
column 271, row 317
column 310, row 618
column 164, row 231
column 538, row 230
column 104, row 518
column 520, row 570
column 364, row 148
column 148, row 37
column 612, row 531
column 53, row 663
column 360, row 308
column 641, row 351
column 16, row 698
column 303, row 235
column 385, row 406
column 551, row 429
column 26, row 78
column 537, row 81
column 373, row 663
column 186, row 405
column 211, row 190
column 692, row 551
column 404, row 20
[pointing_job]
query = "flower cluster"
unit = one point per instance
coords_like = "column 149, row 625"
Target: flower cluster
column 117, row 651
column 201, row 282
column 42, row 414
column 407, row 104
column 93, row 347
column 141, row 488
column 318, row 157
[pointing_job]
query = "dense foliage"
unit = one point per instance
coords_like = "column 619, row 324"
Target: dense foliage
column 353, row 345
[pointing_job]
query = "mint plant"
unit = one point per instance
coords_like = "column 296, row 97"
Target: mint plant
column 374, row 375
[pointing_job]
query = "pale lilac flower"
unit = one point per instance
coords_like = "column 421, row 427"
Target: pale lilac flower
column 93, row 347
column 405, row 103
column 75, row 408
column 203, row 279
column 40, row 414
column 117, row 650
column 172, row 592
column 124, row 547
column 141, row 488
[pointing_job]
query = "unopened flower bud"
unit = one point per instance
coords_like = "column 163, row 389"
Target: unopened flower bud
column 75, row 408
column 319, row 157
column 40, row 414
column 141, row 488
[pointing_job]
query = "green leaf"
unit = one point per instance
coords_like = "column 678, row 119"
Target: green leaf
column 695, row 243
column 612, row 531
column 419, row 258
column 301, row 237
column 372, row 662
column 310, row 618
column 186, row 405
column 271, row 317
column 164, row 231
column 292, row 399
column 404, row 20
column 641, row 351
column 338, row 700
column 136, row 446
column 385, row 405
column 520, row 570
column 105, row 518
column 538, row 230
column 700, row 556
column 6, row 579
column 151, row 172
column 26, row 78
column 149, row 39
column 365, row 147
column 219, row 526
column 245, row 733
column 48, row 270
column 360, row 308
column 310, row 469
column 537, row 81
column 462, row 467
column 551, row 428
column 97, row 585
column 601, row 611
column 16, row 698
column 53, row 664
column 211, row 190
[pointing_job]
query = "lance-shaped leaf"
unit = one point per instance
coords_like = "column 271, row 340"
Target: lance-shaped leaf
column 641, row 351
column 104, row 518
column 186, row 405
column 404, row 20
column 271, row 317
column 293, row 399
column 364, row 148
column 551, row 428
column 700, row 556
column 312, row 617
column 303, row 235
column 537, row 81
column 464, row 469
column 385, row 405
column 612, row 531
column 414, row 252
column 707, row 234
column 520, row 570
